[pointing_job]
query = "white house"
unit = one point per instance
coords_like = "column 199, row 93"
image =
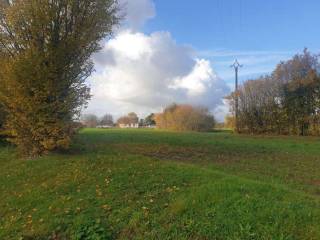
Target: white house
column 129, row 121
column 129, row 125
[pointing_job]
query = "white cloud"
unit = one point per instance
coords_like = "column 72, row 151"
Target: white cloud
column 137, row 12
column 197, row 81
column 222, row 111
column 144, row 73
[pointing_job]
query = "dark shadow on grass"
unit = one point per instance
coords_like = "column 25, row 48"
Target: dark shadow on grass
column 221, row 131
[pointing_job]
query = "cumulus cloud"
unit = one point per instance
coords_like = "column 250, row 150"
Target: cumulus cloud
column 144, row 73
column 137, row 12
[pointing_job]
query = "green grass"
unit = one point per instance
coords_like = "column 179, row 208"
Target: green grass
column 147, row 184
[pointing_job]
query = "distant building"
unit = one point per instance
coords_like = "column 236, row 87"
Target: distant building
column 129, row 121
column 128, row 125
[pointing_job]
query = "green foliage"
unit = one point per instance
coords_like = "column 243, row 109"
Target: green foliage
column 91, row 230
column 152, row 184
column 150, row 120
column 45, row 49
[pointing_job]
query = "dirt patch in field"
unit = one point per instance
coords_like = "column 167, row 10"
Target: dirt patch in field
column 316, row 182
column 177, row 153
column 285, row 167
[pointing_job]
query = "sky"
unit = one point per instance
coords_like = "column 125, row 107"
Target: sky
column 169, row 51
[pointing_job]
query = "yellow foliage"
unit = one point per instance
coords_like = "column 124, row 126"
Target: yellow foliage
column 45, row 57
column 185, row 118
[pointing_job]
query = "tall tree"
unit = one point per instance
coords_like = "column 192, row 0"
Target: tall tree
column 45, row 49
column 107, row 119
column 131, row 118
column 2, row 119
column 90, row 120
column 301, row 90
column 149, row 120
column 285, row 102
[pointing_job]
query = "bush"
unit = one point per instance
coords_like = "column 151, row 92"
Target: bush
column 185, row 118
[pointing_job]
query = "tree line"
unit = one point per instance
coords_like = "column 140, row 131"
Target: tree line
column 92, row 120
column 131, row 119
column 287, row 101
column 175, row 117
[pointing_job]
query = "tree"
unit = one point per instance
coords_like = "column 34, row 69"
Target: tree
column 185, row 118
column 285, row 102
column 123, row 120
column 107, row 119
column 2, row 121
column 229, row 122
column 149, row 120
column 90, row 120
column 2, row 117
column 45, row 58
column 301, row 90
column 131, row 118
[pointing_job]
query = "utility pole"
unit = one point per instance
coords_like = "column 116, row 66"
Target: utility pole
column 236, row 67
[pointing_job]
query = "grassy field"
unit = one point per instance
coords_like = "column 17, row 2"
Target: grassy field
column 148, row 184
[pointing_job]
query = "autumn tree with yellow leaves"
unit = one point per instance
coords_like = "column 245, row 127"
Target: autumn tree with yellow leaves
column 184, row 117
column 284, row 102
column 45, row 58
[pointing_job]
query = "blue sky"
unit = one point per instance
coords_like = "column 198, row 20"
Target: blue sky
column 259, row 33
column 171, row 50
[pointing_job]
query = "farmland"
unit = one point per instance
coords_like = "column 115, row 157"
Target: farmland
column 150, row 184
